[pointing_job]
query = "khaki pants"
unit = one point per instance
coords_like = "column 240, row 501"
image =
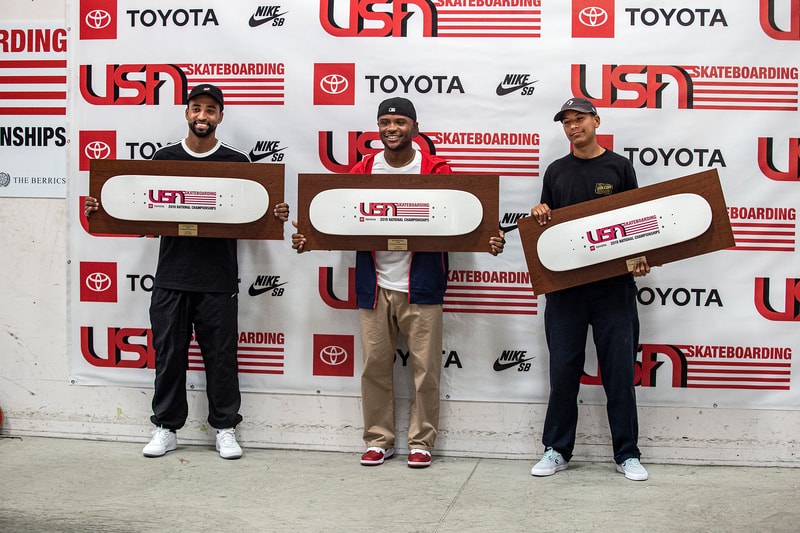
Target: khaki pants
column 421, row 326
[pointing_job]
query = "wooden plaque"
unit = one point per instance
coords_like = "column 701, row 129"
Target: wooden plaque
column 485, row 187
column 267, row 227
column 717, row 237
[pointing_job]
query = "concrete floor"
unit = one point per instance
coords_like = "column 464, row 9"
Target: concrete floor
column 59, row 485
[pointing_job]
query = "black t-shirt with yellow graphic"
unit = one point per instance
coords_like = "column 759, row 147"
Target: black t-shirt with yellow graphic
column 571, row 180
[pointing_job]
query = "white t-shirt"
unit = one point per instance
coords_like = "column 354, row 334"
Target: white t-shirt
column 392, row 267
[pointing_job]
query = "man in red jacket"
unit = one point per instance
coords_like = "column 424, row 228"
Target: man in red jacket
column 401, row 292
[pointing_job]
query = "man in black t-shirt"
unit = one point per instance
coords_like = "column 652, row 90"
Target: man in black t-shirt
column 196, row 292
column 609, row 306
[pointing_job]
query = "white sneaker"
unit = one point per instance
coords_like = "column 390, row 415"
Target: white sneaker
column 632, row 469
column 163, row 441
column 227, row 446
column 550, row 463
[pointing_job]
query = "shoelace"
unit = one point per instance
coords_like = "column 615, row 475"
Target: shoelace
column 162, row 435
column 227, row 439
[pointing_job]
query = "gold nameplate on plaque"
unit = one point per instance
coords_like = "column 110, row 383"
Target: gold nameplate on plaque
column 399, row 245
column 187, row 230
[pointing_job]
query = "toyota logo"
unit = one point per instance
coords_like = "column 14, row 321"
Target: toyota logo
column 98, row 19
column 333, row 355
column 593, row 16
column 334, row 84
column 97, row 150
column 98, row 282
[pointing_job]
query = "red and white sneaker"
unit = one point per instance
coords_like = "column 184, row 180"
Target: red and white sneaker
column 375, row 456
column 419, row 458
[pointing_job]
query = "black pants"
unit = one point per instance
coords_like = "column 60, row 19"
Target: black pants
column 610, row 308
column 214, row 319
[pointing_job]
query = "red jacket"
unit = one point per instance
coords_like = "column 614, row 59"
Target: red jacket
column 428, row 273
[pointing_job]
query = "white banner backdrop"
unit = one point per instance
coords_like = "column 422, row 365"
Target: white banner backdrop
column 33, row 108
column 679, row 90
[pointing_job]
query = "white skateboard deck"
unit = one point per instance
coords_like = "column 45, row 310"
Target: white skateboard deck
column 407, row 212
column 184, row 199
column 623, row 232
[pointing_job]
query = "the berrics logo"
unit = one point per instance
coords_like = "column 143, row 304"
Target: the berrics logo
column 264, row 284
column 515, row 82
column 266, row 14
column 511, row 358
column 265, row 149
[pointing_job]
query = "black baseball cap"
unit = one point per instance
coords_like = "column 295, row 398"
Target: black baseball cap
column 211, row 90
column 397, row 106
column 582, row 105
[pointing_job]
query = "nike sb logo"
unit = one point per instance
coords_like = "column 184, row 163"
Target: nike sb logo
column 516, row 82
column 265, row 149
column 264, row 284
column 266, row 14
column 513, row 358
column 509, row 222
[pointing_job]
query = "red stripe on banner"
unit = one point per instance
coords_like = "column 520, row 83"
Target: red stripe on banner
column 453, row 301
column 448, row 149
column 744, row 387
column 27, row 95
column 452, row 294
column 735, row 363
column 487, row 311
column 501, row 160
column 739, row 100
column 488, row 12
column 775, row 85
column 493, row 26
column 33, row 63
column 505, row 300
column 744, row 91
column 488, row 157
column 761, row 249
column 492, row 35
column 50, row 111
column 763, row 224
column 745, row 108
column 33, row 79
column 252, row 359
column 483, row 20
column 738, row 374
column 488, row 166
column 770, row 237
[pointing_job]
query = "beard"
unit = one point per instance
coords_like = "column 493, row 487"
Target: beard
column 202, row 133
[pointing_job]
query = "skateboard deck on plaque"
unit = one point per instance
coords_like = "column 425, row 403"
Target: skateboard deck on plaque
column 623, row 232
column 589, row 241
column 411, row 212
column 417, row 212
column 186, row 198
